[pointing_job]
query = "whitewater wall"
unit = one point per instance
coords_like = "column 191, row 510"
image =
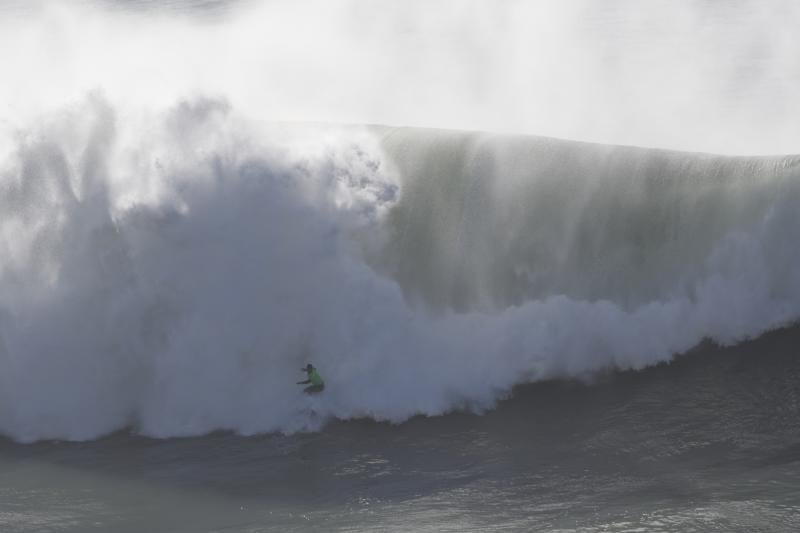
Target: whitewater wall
column 171, row 271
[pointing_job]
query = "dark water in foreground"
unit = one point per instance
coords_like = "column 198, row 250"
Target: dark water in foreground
column 710, row 442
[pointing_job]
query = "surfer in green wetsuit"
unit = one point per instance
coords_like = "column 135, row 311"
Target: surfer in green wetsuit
column 317, row 385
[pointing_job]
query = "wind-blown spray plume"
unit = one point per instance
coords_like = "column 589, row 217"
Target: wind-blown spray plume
column 691, row 75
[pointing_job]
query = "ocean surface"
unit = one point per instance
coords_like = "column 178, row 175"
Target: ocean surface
column 560, row 294
column 709, row 442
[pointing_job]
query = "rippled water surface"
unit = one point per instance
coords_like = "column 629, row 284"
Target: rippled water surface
column 710, row 442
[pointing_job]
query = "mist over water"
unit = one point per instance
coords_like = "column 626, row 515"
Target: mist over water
column 694, row 75
column 172, row 252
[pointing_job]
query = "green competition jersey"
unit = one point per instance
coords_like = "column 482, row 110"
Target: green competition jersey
column 315, row 378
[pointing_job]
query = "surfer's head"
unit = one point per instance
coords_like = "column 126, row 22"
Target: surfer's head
column 309, row 367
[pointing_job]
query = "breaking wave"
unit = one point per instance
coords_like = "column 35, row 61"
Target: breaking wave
column 172, row 272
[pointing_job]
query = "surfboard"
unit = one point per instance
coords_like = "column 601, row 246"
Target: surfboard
column 312, row 402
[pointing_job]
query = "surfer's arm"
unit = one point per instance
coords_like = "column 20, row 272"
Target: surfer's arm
column 306, row 382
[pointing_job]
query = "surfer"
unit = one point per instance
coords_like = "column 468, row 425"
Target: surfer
column 317, row 385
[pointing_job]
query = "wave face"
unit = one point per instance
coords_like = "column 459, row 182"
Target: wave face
column 489, row 221
column 171, row 272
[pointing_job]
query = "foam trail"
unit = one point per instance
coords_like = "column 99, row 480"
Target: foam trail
column 172, row 272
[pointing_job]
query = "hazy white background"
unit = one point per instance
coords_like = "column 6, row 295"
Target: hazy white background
column 685, row 74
